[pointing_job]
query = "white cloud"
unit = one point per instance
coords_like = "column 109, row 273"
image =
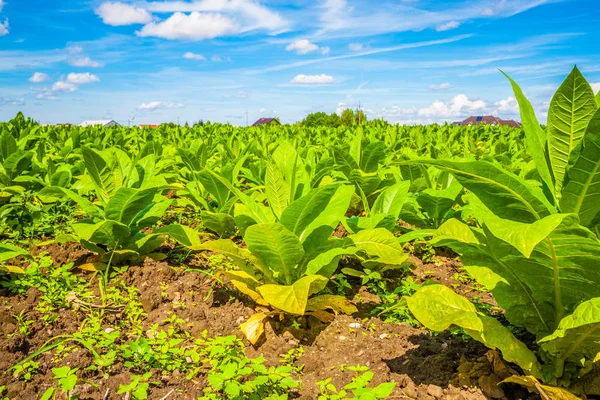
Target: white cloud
column 158, row 105
column 85, row 62
column 218, row 58
column 325, row 50
column 4, row 28
column 117, row 14
column 302, row 46
column 442, row 86
column 312, row 79
column 249, row 13
column 193, row 56
column 262, row 110
column 447, row 26
column 240, row 95
column 195, row 26
column 508, row 106
column 1, row 4
column 459, row 106
column 347, row 19
column 38, row 77
column 596, row 87
column 356, row 47
column 46, row 96
column 82, row 79
column 74, row 49
column 61, row 86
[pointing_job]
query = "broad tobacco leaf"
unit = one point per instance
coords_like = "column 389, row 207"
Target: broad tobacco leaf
column 505, row 194
column 570, row 110
column 577, row 335
column 438, row 307
column 535, row 292
column 581, row 186
column 246, row 284
column 379, row 244
column 338, row 304
column 277, row 249
column 293, row 298
column 548, row 392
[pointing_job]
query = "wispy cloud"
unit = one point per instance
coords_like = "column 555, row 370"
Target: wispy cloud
column 322, row 79
column 361, row 54
column 341, row 18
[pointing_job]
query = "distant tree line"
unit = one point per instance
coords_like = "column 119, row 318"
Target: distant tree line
column 348, row 118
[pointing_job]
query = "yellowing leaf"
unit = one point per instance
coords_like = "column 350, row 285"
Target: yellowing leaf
column 157, row 256
column 293, row 298
column 339, row 304
column 93, row 267
column 12, row 269
column 322, row 316
column 254, row 327
column 247, row 285
column 547, row 392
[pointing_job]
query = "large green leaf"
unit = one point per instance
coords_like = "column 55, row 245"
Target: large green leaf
column 293, row 298
column 8, row 145
column 277, row 190
column 326, row 262
column 213, row 183
column 321, row 228
column 277, row 249
column 183, row 234
column 598, row 99
column 241, row 257
column 379, row 244
column 523, row 237
column 577, row 335
column 100, row 172
column 221, row 223
column 127, row 204
column 581, row 192
column 535, row 292
column 392, row 199
column 505, row 194
column 108, row 233
column 372, row 155
column 302, row 212
column 90, row 209
column 8, row 251
column 535, row 137
column 571, row 108
column 438, row 308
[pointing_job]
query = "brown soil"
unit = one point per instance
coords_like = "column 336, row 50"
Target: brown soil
column 424, row 365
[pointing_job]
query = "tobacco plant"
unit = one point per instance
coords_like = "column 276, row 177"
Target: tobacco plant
column 535, row 248
column 287, row 263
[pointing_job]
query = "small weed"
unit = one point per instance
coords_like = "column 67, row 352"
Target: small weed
column 358, row 388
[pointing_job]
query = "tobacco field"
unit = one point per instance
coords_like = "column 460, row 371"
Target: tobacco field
column 285, row 262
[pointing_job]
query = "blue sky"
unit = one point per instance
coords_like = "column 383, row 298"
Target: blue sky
column 408, row 61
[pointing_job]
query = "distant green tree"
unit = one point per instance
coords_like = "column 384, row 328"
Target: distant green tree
column 347, row 117
column 315, row 119
column 360, row 117
column 321, row 119
column 333, row 120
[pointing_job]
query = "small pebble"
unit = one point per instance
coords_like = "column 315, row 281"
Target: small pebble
column 355, row 325
column 109, row 330
column 383, row 336
column 240, row 320
column 342, row 338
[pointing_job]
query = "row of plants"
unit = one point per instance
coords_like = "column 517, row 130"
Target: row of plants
column 292, row 207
